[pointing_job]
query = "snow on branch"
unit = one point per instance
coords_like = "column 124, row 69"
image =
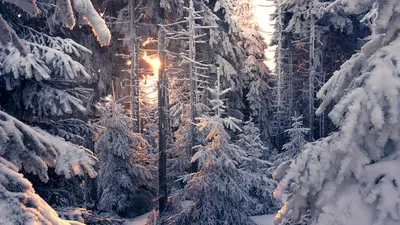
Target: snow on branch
column 19, row 202
column 35, row 150
column 354, row 170
column 44, row 100
column 84, row 7
column 72, row 160
column 13, row 62
column 8, row 35
column 67, row 13
column 38, row 57
column 68, row 46
column 62, row 64
column 28, row 6
column 99, row 27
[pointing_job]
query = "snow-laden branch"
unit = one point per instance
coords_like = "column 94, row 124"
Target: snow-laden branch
column 35, row 150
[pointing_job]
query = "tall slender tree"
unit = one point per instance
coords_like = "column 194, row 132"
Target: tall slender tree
column 218, row 189
column 124, row 177
column 164, row 122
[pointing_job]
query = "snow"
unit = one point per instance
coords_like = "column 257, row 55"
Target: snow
column 19, row 204
column 140, row 220
column 65, row 7
column 100, row 29
column 28, row 6
column 259, row 220
column 264, row 219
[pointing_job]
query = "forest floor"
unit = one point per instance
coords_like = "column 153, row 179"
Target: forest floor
column 140, row 220
column 259, row 220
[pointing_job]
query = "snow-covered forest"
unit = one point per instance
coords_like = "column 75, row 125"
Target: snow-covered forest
column 169, row 112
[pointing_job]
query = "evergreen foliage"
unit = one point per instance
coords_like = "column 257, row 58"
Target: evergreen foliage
column 219, row 190
column 39, row 84
column 311, row 43
column 356, row 166
column 297, row 135
column 125, row 178
column 260, row 182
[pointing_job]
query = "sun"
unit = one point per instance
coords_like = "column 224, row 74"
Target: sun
column 154, row 61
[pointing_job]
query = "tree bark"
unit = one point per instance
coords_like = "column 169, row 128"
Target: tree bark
column 193, row 84
column 134, row 73
column 163, row 123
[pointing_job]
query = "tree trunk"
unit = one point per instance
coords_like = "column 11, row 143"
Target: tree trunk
column 311, row 77
column 134, row 73
column 193, row 84
column 163, row 123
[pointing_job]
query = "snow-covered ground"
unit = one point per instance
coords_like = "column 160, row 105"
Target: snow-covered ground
column 259, row 220
column 140, row 220
column 264, row 219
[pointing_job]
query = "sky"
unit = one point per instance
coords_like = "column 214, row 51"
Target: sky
column 263, row 9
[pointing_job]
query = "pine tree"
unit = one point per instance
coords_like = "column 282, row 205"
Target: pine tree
column 19, row 202
column 218, row 189
column 124, row 180
column 188, row 84
column 311, row 43
column 256, row 73
column 283, row 88
column 351, row 174
column 34, row 151
column 298, row 136
column 39, row 80
column 261, row 185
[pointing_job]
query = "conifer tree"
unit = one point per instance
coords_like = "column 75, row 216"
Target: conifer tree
column 188, row 88
column 124, row 180
column 40, row 75
column 218, row 189
column 311, row 43
column 351, row 174
column 261, row 185
column 297, row 140
column 255, row 72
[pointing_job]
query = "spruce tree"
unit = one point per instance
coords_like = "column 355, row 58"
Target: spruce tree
column 218, row 190
column 124, row 180
column 352, row 174
column 261, row 184
column 39, row 80
column 297, row 140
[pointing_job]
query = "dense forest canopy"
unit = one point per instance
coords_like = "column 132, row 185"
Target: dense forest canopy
column 165, row 112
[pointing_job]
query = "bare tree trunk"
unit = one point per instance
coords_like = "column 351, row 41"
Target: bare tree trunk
column 134, row 73
column 311, row 75
column 91, row 195
column 163, row 123
column 193, row 84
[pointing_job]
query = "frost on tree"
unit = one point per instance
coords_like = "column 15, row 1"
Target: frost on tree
column 260, row 184
column 351, row 176
column 189, row 80
column 41, row 73
column 33, row 150
column 311, row 43
column 297, row 139
column 219, row 189
column 19, row 202
column 256, row 73
column 83, row 7
column 124, row 179
column 226, row 51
